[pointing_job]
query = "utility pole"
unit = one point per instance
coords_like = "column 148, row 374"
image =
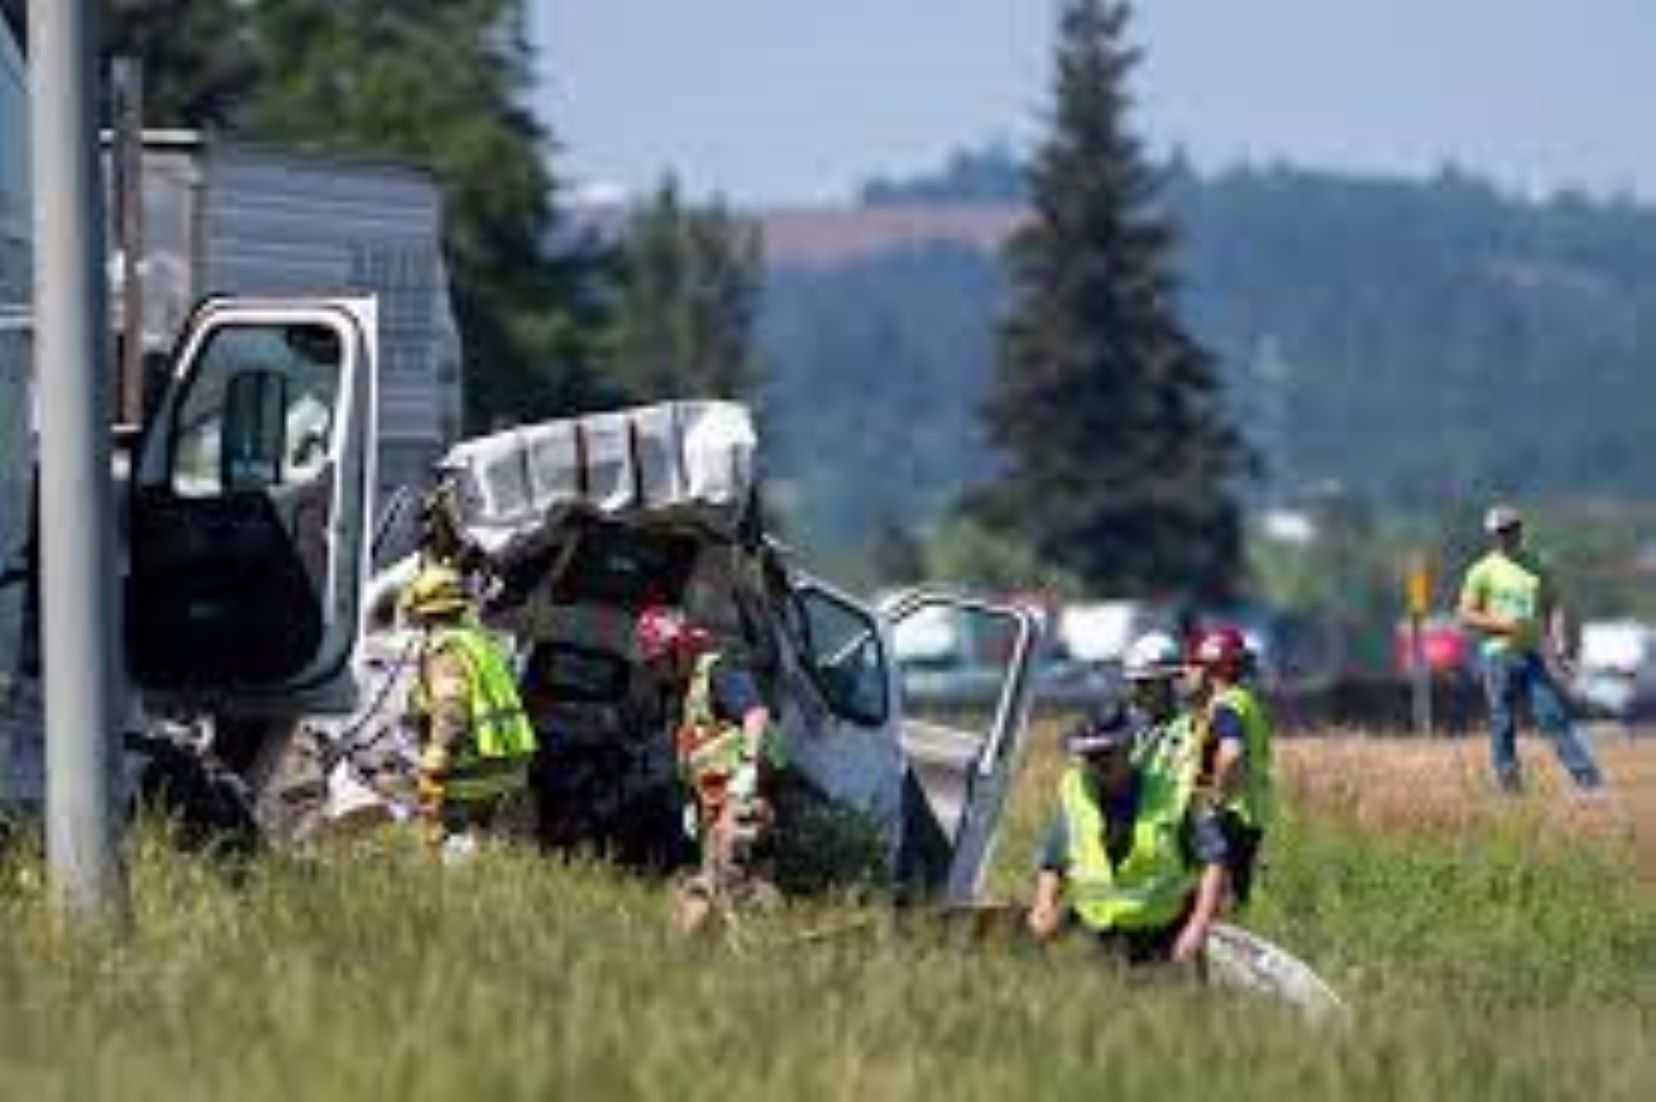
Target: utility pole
column 77, row 516
column 126, row 162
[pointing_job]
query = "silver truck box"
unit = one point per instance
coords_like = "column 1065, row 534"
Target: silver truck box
column 235, row 219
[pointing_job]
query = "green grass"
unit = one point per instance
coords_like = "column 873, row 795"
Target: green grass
column 1476, row 968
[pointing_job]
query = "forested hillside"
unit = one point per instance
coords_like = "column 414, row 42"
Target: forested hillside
column 1419, row 344
column 876, row 370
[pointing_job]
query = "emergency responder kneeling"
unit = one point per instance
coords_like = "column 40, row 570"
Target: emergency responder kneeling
column 475, row 739
column 725, row 749
column 1130, row 856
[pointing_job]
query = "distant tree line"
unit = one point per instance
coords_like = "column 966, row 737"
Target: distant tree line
column 1417, row 346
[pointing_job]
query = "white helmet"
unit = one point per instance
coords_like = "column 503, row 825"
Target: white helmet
column 1154, row 656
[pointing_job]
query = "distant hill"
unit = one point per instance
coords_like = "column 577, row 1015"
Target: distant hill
column 1418, row 343
column 831, row 237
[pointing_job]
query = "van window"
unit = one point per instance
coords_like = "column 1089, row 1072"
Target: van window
column 843, row 654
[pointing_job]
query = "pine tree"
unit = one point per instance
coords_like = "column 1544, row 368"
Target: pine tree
column 442, row 84
column 1120, row 468
column 199, row 58
column 689, row 283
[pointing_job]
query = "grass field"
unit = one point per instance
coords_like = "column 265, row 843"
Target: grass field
column 1489, row 949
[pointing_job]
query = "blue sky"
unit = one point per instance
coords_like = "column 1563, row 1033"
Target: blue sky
column 800, row 100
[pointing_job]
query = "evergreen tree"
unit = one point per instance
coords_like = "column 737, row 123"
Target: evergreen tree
column 199, row 59
column 1120, row 468
column 442, row 84
column 689, row 288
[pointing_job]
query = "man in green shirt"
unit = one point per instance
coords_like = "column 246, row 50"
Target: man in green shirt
column 1508, row 599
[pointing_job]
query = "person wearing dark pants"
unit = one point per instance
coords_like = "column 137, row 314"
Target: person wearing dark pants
column 1508, row 598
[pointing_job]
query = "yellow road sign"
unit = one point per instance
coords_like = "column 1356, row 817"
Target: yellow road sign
column 1417, row 589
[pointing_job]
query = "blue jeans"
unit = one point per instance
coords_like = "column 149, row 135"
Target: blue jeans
column 1507, row 677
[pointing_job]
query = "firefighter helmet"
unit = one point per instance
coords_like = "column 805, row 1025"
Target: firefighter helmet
column 1153, row 657
column 1222, row 650
column 435, row 591
column 662, row 630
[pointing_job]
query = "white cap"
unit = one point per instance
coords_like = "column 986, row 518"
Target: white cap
column 1501, row 517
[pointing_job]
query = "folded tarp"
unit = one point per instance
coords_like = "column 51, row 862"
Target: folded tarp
column 687, row 461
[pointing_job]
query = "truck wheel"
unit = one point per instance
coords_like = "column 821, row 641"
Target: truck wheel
column 205, row 806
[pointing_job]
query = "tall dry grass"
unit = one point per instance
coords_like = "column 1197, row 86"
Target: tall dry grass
column 1478, row 966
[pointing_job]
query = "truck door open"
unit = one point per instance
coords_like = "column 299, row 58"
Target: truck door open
column 248, row 524
column 960, row 740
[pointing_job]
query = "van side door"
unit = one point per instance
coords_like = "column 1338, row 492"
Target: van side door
column 963, row 725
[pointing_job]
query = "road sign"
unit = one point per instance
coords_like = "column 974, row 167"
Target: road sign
column 1417, row 589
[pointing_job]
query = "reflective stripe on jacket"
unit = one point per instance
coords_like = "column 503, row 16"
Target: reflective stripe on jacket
column 494, row 758
column 710, row 750
column 1172, row 749
column 1148, row 890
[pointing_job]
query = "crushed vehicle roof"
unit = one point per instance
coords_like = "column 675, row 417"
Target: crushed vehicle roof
column 689, row 462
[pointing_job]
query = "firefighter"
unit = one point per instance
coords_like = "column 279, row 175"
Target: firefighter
column 1131, row 856
column 475, row 739
column 1235, row 735
column 725, row 750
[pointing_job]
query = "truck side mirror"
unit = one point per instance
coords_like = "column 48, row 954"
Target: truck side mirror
column 255, row 430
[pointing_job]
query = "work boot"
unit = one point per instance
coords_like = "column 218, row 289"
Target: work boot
column 693, row 905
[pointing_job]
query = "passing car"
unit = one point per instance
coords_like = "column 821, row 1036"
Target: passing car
column 1615, row 669
column 1446, row 648
column 953, row 662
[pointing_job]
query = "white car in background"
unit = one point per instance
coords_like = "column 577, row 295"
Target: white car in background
column 1615, row 672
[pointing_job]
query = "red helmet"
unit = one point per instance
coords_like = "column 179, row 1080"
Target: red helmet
column 661, row 630
column 1221, row 649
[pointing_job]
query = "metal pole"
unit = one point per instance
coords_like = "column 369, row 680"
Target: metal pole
column 127, row 164
column 1421, row 676
column 76, row 498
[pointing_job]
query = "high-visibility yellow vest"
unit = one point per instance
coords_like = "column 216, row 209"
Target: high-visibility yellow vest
column 707, row 746
column 1171, row 749
column 494, row 758
column 1149, row 888
column 711, row 750
column 1254, row 799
